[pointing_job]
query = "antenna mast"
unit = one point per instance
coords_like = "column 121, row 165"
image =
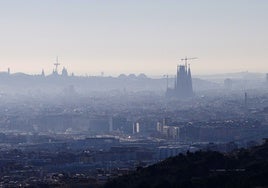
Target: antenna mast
column 56, row 64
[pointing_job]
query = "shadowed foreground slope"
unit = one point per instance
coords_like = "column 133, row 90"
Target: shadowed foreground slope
column 243, row 168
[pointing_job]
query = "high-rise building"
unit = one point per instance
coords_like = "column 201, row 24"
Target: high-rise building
column 183, row 84
column 267, row 77
column 136, row 128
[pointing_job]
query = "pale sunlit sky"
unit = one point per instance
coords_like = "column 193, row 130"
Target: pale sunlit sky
column 94, row 36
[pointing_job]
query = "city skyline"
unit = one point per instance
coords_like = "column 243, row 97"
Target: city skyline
column 148, row 37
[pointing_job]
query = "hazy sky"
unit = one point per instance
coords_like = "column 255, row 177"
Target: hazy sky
column 91, row 36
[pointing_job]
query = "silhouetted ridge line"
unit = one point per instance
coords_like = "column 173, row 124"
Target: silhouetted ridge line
column 241, row 168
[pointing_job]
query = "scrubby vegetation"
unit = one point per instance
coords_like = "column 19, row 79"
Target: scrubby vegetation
column 203, row 169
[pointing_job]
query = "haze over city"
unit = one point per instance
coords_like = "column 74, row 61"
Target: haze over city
column 148, row 37
column 133, row 94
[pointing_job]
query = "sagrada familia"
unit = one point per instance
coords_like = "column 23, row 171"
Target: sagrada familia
column 183, row 84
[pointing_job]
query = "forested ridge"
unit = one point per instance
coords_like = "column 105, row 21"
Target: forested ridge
column 202, row 169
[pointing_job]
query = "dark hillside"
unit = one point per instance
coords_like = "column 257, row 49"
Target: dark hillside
column 243, row 168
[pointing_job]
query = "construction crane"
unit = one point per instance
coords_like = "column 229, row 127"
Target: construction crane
column 187, row 59
column 56, row 65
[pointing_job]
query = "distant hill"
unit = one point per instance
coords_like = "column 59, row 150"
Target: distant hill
column 238, row 75
column 201, row 84
column 203, row 169
column 55, row 84
column 23, row 83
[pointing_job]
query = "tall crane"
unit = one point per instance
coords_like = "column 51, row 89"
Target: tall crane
column 187, row 59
